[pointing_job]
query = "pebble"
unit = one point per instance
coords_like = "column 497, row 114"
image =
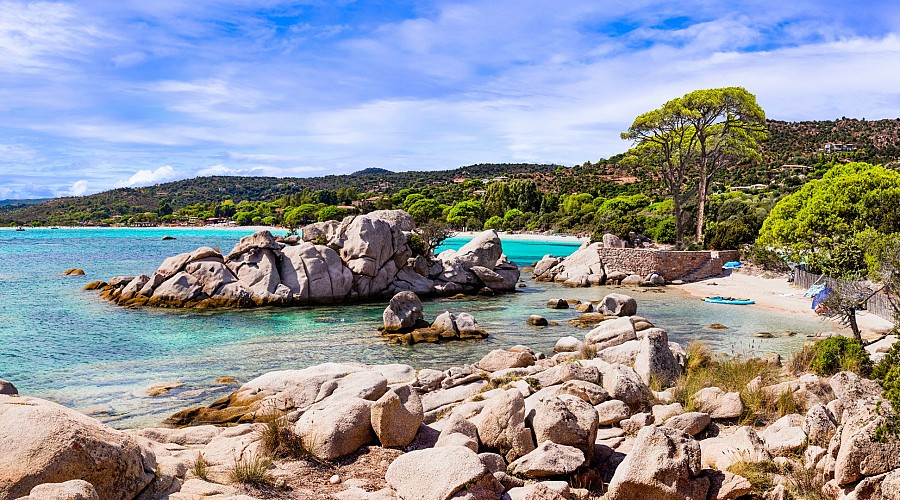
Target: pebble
column 335, row 479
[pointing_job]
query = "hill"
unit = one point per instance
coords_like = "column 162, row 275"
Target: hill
column 214, row 189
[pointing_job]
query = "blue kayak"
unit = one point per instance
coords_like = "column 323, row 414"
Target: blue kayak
column 728, row 300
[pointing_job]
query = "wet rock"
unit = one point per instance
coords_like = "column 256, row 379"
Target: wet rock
column 403, row 312
column 7, row 388
column 536, row 320
column 557, row 304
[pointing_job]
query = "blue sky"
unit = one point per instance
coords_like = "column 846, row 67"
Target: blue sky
column 97, row 94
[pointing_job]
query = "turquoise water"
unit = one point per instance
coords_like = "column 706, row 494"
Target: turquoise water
column 60, row 342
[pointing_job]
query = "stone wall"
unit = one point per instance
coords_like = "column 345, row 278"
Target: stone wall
column 671, row 265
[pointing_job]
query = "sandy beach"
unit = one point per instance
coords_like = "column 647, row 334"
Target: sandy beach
column 777, row 294
column 549, row 238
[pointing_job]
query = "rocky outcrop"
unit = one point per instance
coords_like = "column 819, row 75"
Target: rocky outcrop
column 664, row 464
column 585, row 266
column 362, row 257
column 43, row 442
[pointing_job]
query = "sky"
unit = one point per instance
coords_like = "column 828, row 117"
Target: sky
column 96, row 94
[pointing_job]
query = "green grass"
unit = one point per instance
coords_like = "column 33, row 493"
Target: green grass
column 252, row 470
column 731, row 374
column 200, row 466
column 760, row 474
column 278, row 439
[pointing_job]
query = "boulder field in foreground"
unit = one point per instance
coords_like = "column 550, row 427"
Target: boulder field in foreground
column 362, row 257
column 510, row 426
column 513, row 425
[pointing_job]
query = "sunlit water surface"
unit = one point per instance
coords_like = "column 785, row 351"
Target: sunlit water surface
column 62, row 343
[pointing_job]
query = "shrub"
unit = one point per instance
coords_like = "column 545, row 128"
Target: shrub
column 840, row 354
column 887, row 373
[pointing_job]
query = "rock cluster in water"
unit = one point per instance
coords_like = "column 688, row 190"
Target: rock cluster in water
column 361, row 257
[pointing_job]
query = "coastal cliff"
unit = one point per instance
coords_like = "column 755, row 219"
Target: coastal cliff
column 362, row 257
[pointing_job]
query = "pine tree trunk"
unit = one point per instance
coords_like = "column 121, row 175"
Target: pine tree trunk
column 701, row 207
column 679, row 224
column 853, row 326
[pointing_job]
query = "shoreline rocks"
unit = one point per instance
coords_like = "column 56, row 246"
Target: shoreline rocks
column 514, row 424
column 363, row 257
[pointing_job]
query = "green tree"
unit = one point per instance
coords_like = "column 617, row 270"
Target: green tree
column 424, row 209
column 690, row 139
column 832, row 223
column 493, row 223
column 411, row 199
column 513, row 219
column 243, row 218
column 728, row 125
column 497, row 199
column 330, row 213
column 464, row 213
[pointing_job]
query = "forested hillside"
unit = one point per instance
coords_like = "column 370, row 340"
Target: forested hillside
column 607, row 195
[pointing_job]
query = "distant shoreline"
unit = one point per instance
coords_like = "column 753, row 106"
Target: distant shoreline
column 159, row 228
column 547, row 238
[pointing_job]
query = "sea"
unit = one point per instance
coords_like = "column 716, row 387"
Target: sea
column 65, row 344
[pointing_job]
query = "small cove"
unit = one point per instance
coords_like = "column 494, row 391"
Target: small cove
column 65, row 344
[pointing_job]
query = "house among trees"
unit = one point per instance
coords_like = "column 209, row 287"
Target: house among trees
column 836, row 147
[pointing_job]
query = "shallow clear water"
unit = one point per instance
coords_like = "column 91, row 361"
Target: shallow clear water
column 60, row 342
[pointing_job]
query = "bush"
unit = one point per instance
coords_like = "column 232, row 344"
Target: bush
column 417, row 244
column 766, row 258
column 840, row 354
column 887, row 373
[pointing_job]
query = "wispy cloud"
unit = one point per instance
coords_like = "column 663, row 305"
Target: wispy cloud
column 103, row 94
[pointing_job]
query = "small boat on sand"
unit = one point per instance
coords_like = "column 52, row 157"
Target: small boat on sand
column 729, row 300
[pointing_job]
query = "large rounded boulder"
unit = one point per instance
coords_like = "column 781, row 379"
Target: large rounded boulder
column 43, row 442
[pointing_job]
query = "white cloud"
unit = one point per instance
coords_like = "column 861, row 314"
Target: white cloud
column 148, row 177
column 79, row 188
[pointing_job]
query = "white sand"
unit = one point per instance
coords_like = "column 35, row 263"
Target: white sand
column 777, row 294
column 554, row 238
